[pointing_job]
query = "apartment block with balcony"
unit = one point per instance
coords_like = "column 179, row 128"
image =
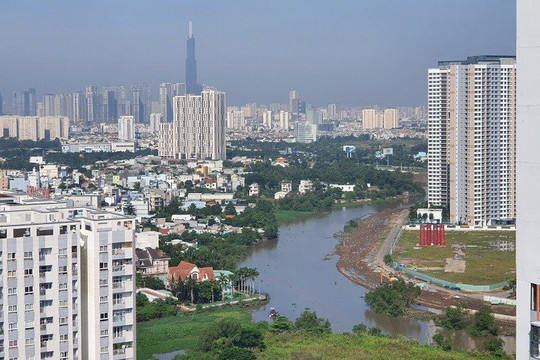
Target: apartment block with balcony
column 471, row 139
column 67, row 282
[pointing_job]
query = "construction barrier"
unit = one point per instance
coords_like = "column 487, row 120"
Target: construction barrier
column 448, row 284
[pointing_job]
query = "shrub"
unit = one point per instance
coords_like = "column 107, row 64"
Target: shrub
column 308, row 321
column 442, row 342
column 392, row 299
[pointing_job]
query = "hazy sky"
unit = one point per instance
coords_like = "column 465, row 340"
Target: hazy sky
column 357, row 52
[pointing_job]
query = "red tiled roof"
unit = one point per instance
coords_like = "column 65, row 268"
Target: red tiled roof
column 183, row 270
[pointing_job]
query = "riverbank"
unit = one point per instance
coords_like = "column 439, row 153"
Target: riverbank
column 183, row 332
column 361, row 252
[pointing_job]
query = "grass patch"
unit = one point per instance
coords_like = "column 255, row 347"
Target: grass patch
column 484, row 265
column 347, row 347
column 285, row 216
column 183, row 332
column 180, row 332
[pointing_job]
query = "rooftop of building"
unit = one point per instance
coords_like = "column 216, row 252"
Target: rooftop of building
column 481, row 59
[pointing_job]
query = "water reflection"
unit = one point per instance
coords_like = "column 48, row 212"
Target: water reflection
column 299, row 271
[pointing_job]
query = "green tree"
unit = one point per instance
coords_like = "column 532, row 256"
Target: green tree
column 442, row 342
column 484, row 322
column 453, row 319
column 392, row 299
column 308, row 321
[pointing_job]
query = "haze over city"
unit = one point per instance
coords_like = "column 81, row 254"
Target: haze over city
column 352, row 53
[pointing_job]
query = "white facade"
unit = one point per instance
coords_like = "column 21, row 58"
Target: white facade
column 34, row 127
column 528, row 173
column 305, row 132
column 66, row 273
column 267, row 119
column 155, row 120
column 126, row 128
column 198, row 130
column 284, row 118
column 471, row 139
column 305, row 186
column 235, row 119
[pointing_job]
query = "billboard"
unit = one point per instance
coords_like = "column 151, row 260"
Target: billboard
column 388, row 151
column 349, row 149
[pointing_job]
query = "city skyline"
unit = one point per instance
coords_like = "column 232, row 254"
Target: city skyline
column 252, row 63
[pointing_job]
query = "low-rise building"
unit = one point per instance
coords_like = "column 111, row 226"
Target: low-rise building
column 305, row 186
column 152, row 262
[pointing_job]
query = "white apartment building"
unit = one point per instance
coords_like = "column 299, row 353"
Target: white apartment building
column 155, row 120
column 198, row 130
column 235, row 119
column 305, row 132
column 528, row 173
column 390, row 118
column 471, row 139
column 68, row 282
column 267, row 119
column 34, row 127
column 284, row 118
column 126, row 128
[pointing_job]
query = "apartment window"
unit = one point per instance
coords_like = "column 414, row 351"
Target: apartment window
column 11, row 255
column 62, row 270
column 534, row 297
column 63, row 355
column 104, row 333
column 63, row 286
column 29, row 307
column 12, row 326
column 63, row 303
column 12, row 291
column 63, row 321
column 28, row 289
column 62, row 252
column 103, row 299
column 535, row 342
column 103, row 282
column 103, row 248
column 104, row 316
column 12, row 344
column 12, row 308
column 103, row 266
column 28, row 272
column 29, row 325
column 63, row 337
column 12, row 274
column 28, row 255
column 104, row 349
column 29, row 341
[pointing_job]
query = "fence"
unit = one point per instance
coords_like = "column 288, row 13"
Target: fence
column 448, row 284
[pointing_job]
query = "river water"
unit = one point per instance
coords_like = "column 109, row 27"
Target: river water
column 299, row 271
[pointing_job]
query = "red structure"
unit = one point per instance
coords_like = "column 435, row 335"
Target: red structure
column 432, row 234
column 441, row 236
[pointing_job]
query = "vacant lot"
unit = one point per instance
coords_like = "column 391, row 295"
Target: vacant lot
column 180, row 332
column 484, row 264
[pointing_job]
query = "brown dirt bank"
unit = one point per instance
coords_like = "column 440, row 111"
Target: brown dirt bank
column 358, row 261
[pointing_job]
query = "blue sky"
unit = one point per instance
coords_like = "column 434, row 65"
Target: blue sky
column 360, row 52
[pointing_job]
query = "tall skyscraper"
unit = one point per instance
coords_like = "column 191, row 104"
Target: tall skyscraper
column 126, row 128
column 198, row 130
column 93, row 104
column 29, row 103
column 528, row 172
column 69, row 282
column 372, row 118
column 305, row 132
column 284, row 120
column 192, row 87
column 471, row 139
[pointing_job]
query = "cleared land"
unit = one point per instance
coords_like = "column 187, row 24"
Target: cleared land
column 484, row 264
